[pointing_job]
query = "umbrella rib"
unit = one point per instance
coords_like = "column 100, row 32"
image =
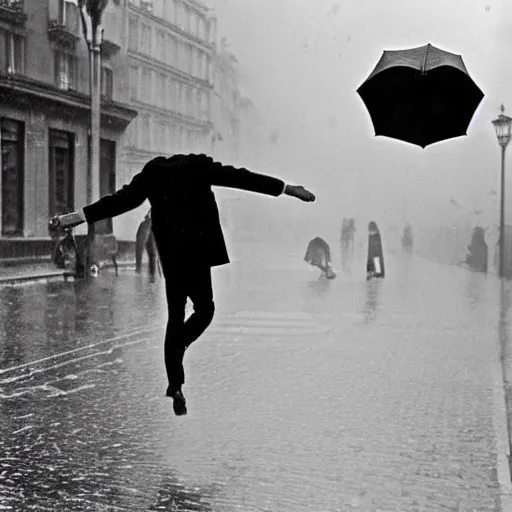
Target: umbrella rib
column 424, row 66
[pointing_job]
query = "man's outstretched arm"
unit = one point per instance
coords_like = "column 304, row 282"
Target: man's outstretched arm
column 232, row 177
column 125, row 199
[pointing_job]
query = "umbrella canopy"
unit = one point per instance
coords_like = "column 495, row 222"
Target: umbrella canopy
column 422, row 95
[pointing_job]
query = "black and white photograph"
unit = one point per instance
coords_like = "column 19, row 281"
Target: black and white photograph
column 255, row 256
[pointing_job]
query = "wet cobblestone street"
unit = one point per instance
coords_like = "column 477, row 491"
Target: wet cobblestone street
column 304, row 394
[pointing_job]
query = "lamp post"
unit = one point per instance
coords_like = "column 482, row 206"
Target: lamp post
column 503, row 126
column 91, row 12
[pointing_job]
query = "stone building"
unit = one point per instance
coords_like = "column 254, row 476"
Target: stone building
column 170, row 44
column 165, row 84
column 44, row 116
column 231, row 111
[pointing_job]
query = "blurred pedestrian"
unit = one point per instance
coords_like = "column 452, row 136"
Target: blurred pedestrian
column 348, row 229
column 318, row 254
column 144, row 239
column 375, row 260
column 407, row 241
column 477, row 256
column 187, row 231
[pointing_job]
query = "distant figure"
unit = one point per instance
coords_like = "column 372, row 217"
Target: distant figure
column 145, row 240
column 375, row 262
column 348, row 229
column 407, row 241
column 318, row 255
column 478, row 251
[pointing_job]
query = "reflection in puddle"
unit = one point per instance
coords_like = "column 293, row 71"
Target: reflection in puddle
column 372, row 300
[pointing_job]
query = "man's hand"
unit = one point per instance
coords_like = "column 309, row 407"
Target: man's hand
column 299, row 192
column 70, row 219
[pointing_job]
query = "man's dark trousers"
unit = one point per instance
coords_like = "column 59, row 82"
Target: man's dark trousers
column 196, row 284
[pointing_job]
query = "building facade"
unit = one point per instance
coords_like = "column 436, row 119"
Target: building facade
column 166, row 87
column 170, row 46
column 44, row 116
column 231, row 118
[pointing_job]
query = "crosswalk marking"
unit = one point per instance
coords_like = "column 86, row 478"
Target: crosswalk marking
column 262, row 324
column 269, row 323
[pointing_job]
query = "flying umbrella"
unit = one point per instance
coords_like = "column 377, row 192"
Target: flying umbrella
column 420, row 95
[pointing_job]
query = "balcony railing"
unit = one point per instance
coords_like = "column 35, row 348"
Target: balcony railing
column 64, row 23
column 12, row 12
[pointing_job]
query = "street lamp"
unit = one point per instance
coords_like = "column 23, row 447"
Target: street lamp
column 503, row 126
column 91, row 12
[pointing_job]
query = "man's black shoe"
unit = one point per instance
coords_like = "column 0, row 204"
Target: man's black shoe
column 179, row 404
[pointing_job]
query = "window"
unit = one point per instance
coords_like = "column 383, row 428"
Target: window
column 13, row 176
column 131, row 134
column 61, row 166
column 193, row 60
column 160, row 45
column 158, row 8
column 160, row 136
column 180, row 16
column 195, row 101
column 12, row 53
column 65, row 70
column 183, row 99
column 145, row 40
column 178, row 105
column 172, row 50
column 202, row 62
column 64, row 13
column 189, row 51
column 181, row 138
column 134, row 82
column 193, row 23
column 133, row 35
column 169, row 11
column 201, row 28
column 188, row 101
column 206, row 67
column 169, row 96
column 160, row 88
column 146, row 5
column 146, row 92
column 69, row 15
column 145, row 132
column 107, row 82
column 186, row 18
column 205, row 105
column 172, row 137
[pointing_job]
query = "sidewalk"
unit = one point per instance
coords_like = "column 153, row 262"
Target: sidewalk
column 45, row 270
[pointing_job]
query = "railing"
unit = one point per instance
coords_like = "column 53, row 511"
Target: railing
column 12, row 11
column 64, row 17
column 13, row 5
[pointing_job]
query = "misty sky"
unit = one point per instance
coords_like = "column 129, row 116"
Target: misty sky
column 301, row 62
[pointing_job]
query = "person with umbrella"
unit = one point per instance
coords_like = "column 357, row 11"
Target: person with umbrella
column 375, row 260
column 184, row 214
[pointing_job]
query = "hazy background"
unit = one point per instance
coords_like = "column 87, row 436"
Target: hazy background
column 301, row 62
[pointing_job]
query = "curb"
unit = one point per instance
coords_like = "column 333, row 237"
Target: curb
column 54, row 274
column 35, row 277
column 501, row 428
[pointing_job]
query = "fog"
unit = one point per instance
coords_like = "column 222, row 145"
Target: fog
column 300, row 63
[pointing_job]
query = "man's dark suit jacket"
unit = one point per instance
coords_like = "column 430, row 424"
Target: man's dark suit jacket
column 186, row 223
